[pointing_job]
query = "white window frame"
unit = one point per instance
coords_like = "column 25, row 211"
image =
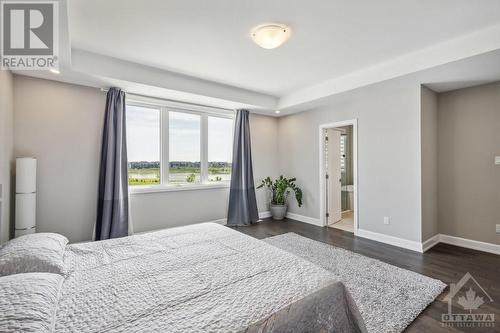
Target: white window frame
column 164, row 108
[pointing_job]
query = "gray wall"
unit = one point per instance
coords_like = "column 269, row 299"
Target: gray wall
column 61, row 125
column 399, row 125
column 429, row 134
column 469, row 182
column 6, row 150
column 389, row 166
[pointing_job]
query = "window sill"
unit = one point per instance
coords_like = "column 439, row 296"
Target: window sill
column 138, row 189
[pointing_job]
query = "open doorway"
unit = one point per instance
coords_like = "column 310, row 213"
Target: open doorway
column 338, row 170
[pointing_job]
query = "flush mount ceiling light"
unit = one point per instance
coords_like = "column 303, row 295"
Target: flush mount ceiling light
column 270, row 36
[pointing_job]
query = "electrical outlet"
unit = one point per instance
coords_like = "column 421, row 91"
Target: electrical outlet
column 497, row 229
column 387, row 220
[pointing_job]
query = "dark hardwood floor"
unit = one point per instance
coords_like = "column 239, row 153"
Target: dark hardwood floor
column 444, row 262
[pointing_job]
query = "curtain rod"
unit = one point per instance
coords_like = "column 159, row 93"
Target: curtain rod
column 171, row 100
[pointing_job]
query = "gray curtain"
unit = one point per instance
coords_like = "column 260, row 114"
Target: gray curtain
column 242, row 203
column 112, row 204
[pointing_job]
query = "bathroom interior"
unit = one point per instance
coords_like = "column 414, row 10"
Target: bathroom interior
column 343, row 220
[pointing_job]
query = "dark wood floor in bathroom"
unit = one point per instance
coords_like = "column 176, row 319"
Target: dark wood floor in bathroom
column 445, row 262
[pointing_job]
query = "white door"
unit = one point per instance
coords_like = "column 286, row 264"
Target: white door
column 334, row 204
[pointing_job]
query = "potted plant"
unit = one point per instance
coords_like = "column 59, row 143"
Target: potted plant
column 280, row 188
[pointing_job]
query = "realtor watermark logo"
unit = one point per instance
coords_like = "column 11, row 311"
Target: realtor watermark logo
column 464, row 302
column 29, row 35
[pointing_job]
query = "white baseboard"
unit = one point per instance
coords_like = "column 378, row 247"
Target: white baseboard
column 462, row 242
column 262, row 215
column 219, row 221
column 396, row 241
column 391, row 240
column 305, row 219
column 470, row 244
column 434, row 240
column 429, row 243
column 267, row 214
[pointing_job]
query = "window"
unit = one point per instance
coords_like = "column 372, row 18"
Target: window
column 220, row 146
column 143, row 145
column 173, row 146
column 184, row 148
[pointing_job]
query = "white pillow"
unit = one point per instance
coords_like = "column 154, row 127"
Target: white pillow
column 28, row 302
column 40, row 252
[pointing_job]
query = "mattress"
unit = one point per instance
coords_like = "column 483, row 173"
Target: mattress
column 199, row 278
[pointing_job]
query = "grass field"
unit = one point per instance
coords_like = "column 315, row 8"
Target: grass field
column 151, row 176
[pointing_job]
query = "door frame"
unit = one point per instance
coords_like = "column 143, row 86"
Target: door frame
column 322, row 171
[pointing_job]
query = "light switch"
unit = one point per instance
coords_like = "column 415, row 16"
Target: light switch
column 497, row 160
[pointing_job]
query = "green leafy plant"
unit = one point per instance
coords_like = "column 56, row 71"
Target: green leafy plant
column 191, row 178
column 280, row 189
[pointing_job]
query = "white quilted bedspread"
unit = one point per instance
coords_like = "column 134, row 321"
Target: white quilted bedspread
column 200, row 278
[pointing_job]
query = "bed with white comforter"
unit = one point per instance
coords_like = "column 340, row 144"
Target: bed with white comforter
column 199, row 278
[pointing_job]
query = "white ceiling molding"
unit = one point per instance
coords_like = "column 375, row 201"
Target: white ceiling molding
column 108, row 68
column 452, row 50
column 476, row 70
column 94, row 70
column 457, row 62
column 64, row 37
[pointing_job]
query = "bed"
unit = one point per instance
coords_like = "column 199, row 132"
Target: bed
column 198, row 278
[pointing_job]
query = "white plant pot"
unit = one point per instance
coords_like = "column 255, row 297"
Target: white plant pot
column 278, row 212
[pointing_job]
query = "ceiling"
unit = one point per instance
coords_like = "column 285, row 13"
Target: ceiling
column 330, row 38
column 200, row 51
